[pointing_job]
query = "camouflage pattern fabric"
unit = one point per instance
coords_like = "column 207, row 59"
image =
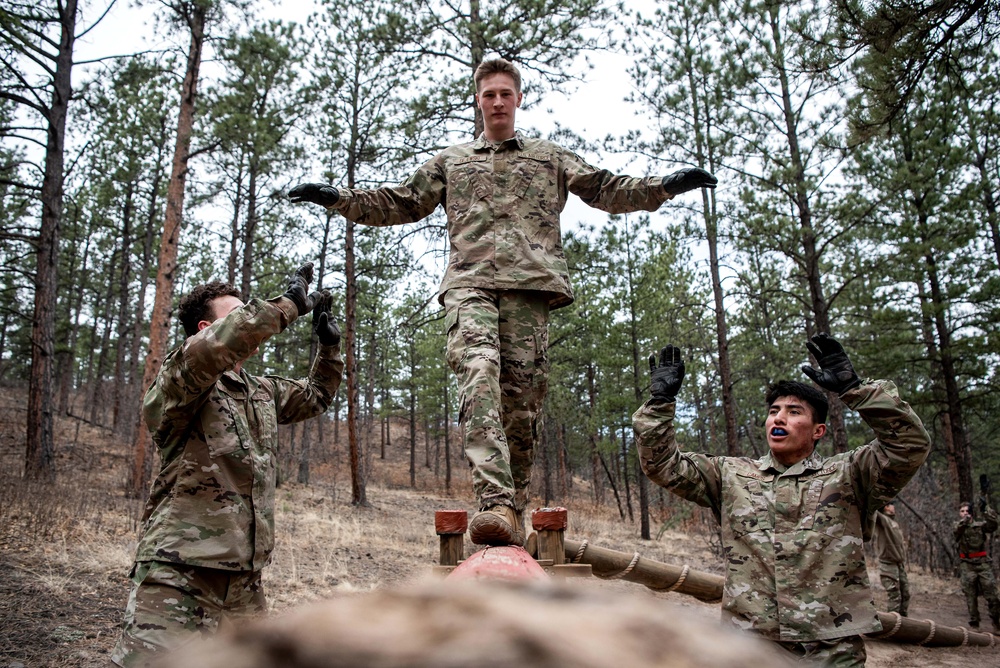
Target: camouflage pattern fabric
column 976, row 573
column 503, row 204
column 896, row 585
column 498, row 348
column 837, row 653
column 891, row 551
column 212, row 503
column 793, row 537
column 978, row 580
column 173, row 603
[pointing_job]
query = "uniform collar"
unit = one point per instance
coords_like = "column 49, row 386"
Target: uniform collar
column 811, row 463
column 482, row 143
column 235, row 380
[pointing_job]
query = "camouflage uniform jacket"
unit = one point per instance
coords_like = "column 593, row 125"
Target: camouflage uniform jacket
column 212, row 503
column 972, row 537
column 795, row 564
column 503, row 205
column 888, row 540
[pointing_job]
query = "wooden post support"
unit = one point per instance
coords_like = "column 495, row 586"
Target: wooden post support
column 550, row 523
column 451, row 525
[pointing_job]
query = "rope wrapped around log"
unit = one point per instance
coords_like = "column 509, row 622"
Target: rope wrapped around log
column 927, row 632
column 612, row 564
column 631, row 567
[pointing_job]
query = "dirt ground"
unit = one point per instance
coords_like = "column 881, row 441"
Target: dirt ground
column 66, row 548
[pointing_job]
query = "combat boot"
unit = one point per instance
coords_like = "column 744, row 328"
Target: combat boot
column 497, row 525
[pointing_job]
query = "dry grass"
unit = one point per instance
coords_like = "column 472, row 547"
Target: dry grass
column 66, row 548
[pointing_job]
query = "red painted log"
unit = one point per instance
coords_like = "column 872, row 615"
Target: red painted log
column 498, row 563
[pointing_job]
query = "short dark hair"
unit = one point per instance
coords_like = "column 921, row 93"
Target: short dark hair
column 807, row 393
column 196, row 305
column 967, row 505
column 497, row 66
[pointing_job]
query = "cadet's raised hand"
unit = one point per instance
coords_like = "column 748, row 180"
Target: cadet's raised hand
column 326, row 329
column 691, row 178
column 668, row 375
column 317, row 193
column 836, row 372
column 298, row 289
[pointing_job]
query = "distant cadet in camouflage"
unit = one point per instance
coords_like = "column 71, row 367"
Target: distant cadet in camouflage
column 890, row 548
column 502, row 194
column 975, row 567
column 793, row 523
column 209, row 522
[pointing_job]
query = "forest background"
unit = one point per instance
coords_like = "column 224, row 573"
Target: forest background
column 856, row 149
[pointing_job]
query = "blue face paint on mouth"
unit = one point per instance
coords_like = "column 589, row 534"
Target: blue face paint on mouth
column 778, row 431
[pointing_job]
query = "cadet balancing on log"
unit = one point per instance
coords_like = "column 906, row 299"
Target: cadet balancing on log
column 793, row 523
column 502, row 194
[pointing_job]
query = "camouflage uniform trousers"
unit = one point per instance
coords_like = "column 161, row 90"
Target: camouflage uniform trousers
column 170, row 604
column 896, row 584
column 848, row 652
column 978, row 580
column 497, row 347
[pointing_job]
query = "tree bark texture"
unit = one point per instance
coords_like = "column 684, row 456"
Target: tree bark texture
column 160, row 318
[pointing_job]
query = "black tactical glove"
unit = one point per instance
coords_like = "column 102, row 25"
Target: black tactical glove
column 835, row 373
column 668, row 376
column 298, row 289
column 691, row 178
column 317, row 193
column 326, row 329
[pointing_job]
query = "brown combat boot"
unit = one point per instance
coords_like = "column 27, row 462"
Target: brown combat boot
column 497, row 525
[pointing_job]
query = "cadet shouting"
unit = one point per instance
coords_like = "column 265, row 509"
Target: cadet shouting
column 502, row 194
column 793, row 523
column 209, row 521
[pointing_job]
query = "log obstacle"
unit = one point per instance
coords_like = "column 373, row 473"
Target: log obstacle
column 926, row 632
column 612, row 564
column 508, row 562
column 564, row 556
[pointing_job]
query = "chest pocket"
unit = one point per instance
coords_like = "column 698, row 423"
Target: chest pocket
column 749, row 510
column 832, row 505
column 223, row 423
column 529, row 175
column 470, row 179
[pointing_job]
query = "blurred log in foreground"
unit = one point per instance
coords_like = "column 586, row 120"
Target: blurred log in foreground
column 448, row 624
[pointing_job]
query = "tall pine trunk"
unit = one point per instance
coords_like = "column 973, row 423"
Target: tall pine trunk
column 39, row 462
column 160, row 321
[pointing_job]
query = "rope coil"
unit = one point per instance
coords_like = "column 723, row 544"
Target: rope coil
column 628, row 569
column 895, row 628
column 965, row 637
column 579, row 553
column 930, row 636
column 684, row 573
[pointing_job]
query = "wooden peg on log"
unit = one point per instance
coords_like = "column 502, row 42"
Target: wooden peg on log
column 451, row 526
column 550, row 523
